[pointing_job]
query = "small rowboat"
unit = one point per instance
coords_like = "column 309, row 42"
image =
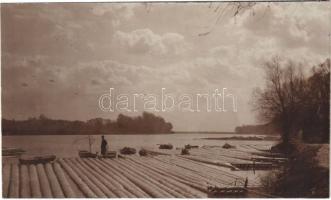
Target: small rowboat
column 37, row 159
column 128, row 151
column 165, row 146
column 12, row 151
column 87, row 154
column 110, row 154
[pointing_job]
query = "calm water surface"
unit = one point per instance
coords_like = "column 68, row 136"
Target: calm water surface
column 69, row 145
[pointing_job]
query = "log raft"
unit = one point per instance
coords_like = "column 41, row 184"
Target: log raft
column 161, row 176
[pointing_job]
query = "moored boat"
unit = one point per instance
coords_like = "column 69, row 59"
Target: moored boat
column 87, row 154
column 165, row 146
column 110, row 154
column 12, row 151
column 37, row 159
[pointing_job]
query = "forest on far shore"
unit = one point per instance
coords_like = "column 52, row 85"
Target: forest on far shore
column 147, row 123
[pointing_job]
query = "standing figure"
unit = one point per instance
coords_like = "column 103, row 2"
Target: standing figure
column 103, row 145
column 246, row 182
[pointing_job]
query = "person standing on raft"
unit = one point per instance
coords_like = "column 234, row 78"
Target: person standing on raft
column 104, row 146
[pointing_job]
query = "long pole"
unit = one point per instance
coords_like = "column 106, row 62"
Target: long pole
column 90, row 144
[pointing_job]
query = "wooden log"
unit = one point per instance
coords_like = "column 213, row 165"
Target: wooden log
column 165, row 173
column 25, row 182
column 145, row 186
column 180, row 172
column 44, row 184
column 116, row 189
column 89, row 182
column 154, row 179
column 14, row 182
column 66, row 188
column 173, row 184
column 80, row 183
column 97, row 180
column 169, row 182
column 210, row 161
column 55, row 185
column 115, row 183
column 238, row 154
column 138, row 176
column 223, row 155
column 173, row 170
column 127, row 184
column 197, row 178
column 177, row 176
column 206, row 171
column 199, row 166
column 34, row 182
column 6, row 171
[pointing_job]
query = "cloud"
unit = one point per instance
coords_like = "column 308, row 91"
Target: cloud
column 145, row 41
column 290, row 24
column 116, row 11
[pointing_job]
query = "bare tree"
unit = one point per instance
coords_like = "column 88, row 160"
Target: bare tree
column 280, row 101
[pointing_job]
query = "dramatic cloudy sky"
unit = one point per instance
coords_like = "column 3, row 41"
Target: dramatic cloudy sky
column 57, row 59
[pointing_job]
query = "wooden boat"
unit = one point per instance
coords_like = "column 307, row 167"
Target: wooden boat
column 110, row 154
column 87, row 154
column 128, row 151
column 37, row 159
column 165, row 146
column 12, row 151
column 188, row 146
column 152, row 153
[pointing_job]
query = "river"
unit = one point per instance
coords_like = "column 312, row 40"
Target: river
column 69, row 145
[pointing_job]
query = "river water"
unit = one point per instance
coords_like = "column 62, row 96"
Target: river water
column 69, row 145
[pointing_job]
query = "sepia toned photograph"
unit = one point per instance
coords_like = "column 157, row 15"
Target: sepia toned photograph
column 165, row 99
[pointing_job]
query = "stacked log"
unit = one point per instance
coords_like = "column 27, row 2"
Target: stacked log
column 14, row 182
column 186, row 191
column 55, row 185
column 24, row 182
column 160, row 176
column 90, row 181
column 100, row 180
column 123, row 180
column 6, row 171
column 68, row 192
column 44, row 184
column 150, row 178
column 144, row 185
column 34, row 182
column 80, row 183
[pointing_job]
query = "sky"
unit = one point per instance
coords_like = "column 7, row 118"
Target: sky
column 59, row 58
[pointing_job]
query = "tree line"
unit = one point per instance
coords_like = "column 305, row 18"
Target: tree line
column 146, row 123
column 265, row 129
